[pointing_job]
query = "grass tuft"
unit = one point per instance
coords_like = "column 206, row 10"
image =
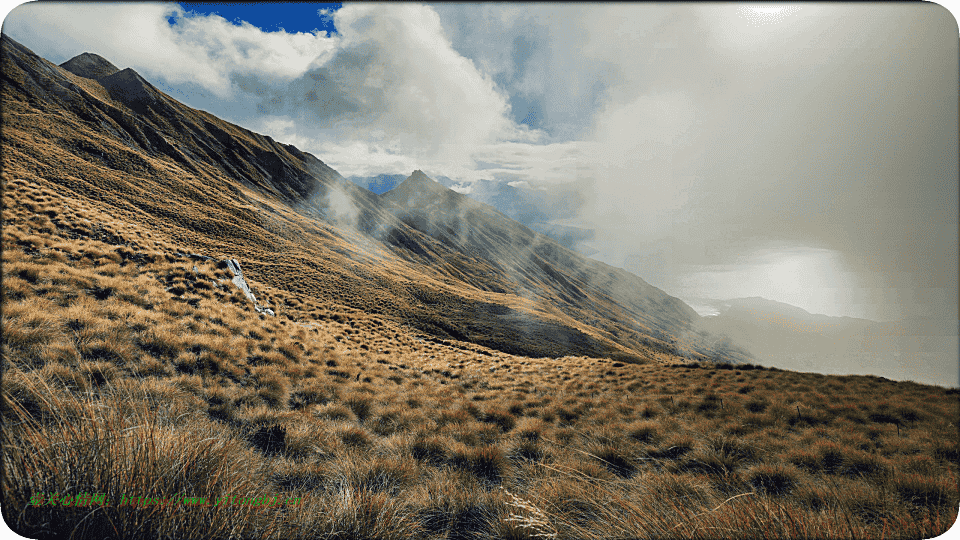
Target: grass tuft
column 776, row 479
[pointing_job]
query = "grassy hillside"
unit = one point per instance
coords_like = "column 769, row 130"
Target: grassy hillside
column 131, row 370
column 221, row 190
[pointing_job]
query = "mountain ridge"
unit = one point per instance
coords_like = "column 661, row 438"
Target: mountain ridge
column 479, row 229
column 544, row 211
column 215, row 187
column 759, row 303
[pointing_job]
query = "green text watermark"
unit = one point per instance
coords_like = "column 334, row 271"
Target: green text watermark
column 86, row 499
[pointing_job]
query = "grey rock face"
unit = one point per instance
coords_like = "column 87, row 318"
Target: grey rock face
column 234, row 266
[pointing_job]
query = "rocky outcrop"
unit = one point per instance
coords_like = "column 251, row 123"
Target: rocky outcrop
column 234, row 266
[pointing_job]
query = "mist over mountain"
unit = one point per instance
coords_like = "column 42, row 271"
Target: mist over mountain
column 420, row 254
column 541, row 210
column 788, row 337
column 378, row 184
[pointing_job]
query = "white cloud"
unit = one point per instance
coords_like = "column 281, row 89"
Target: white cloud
column 399, row 65
column 393, row 96
column 203, row 49
column 534, row 51
column 388, row 90
column 712, row 133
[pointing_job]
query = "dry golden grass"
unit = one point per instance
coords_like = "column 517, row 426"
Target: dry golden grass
column 127, row 372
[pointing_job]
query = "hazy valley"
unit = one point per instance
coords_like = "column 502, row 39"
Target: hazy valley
column 428, row 368
column 784, row 336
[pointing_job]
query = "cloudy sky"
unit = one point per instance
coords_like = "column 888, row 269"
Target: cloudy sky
column 805, row 153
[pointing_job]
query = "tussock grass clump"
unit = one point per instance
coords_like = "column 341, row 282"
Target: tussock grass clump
column 488, row 463
column 860, row 464
column 163, row 343
column 528, row 450
column 111, row 348
column 362, row 406
column 500, row 417
column 391, row 420
column 673, row 447
column 530, row 429
column 776, row 479
column 947, row 450
column 302, row 477
column 272, row 385
column 432, row 450
column 644, row 431
column 925, row 491
column 650, row 410
column 615, row 460
column 28, row 326
column 313, row 392
column 335, row 412
column 269, row 439
column 719, row 456
column 453, row 416
column 355, row 436
column 804, row 458
column 387, row 475
column 152, row 459
column 360, row 513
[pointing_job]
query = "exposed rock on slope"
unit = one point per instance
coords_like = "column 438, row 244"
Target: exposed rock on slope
column 241, row 284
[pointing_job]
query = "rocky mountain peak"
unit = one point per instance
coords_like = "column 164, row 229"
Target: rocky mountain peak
column 418, row 190
column 90, row 66
column 420, row 182
column 419, row 176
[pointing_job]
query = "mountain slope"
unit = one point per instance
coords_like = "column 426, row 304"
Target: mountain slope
column 619, row 304
column 91, row 132
column 544, row 211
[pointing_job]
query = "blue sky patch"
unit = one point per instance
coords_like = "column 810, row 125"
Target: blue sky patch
column 270, row 16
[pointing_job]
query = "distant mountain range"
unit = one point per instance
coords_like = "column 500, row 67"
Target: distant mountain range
column 419, row 253
column 789, row 337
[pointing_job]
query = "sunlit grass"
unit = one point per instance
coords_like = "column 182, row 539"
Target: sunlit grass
column 128, row 370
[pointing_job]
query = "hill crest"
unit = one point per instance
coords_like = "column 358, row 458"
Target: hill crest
column 90, row 66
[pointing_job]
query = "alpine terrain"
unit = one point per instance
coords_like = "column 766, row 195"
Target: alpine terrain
column 207, row 333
